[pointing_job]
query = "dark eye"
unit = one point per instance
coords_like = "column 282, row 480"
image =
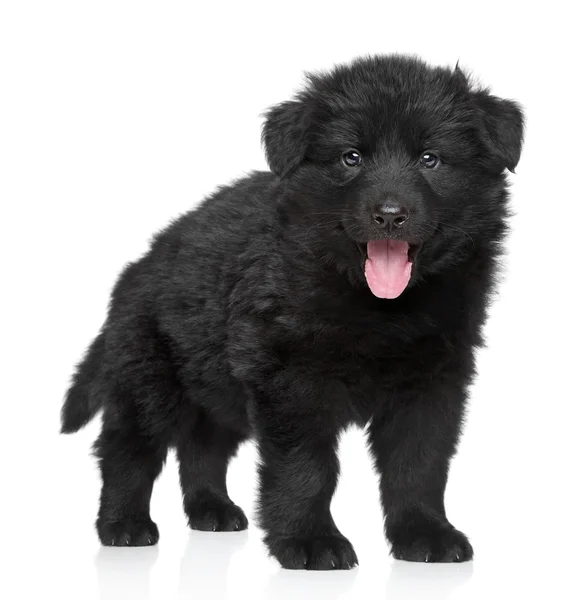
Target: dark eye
column 429, row 160
column 352, row 158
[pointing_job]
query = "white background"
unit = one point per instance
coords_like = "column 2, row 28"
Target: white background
column 117, row 116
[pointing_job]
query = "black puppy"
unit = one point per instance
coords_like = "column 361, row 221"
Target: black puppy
column 349, row 285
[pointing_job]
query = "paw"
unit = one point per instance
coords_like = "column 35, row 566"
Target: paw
column 430, row 542
column 128, row 532
column 212, row 513
column 321, row 553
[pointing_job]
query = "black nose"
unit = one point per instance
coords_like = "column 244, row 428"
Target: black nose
column 390, row 217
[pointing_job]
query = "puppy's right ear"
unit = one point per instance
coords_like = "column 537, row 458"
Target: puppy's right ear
column 285, row 136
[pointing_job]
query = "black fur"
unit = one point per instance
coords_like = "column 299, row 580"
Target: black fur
column 251, row 316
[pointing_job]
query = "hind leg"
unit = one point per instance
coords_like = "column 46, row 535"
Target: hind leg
column 129, row 464
column 204, row 450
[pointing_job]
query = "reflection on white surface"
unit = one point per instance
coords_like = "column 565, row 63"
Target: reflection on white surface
column 206, row 570
column 432, row 580
column 125, row 572
column 322, row 585
column 205, row 563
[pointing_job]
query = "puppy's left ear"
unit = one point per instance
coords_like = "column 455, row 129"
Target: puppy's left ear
column 503, row 127
column 285, row 136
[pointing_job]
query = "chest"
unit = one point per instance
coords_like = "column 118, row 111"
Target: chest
column 351, row 372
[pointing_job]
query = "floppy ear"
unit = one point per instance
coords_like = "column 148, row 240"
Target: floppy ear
column 284, row 135
column 503, row 127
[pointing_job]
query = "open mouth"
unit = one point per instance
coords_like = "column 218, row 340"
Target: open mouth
column 388, row 265
column 413, row 250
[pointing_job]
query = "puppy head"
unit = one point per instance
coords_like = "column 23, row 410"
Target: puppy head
column 397, row 160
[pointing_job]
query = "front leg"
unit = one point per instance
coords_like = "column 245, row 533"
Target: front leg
column 412, row 442
column 298, row 476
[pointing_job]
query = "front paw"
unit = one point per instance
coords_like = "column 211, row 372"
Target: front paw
column 321, row 552
column 428, row 541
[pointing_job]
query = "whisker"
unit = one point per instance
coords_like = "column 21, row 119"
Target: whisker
column 456, row 229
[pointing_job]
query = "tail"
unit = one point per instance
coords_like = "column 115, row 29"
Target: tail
column 82, row 401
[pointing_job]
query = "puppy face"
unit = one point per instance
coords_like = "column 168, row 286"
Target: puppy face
column 395, row 166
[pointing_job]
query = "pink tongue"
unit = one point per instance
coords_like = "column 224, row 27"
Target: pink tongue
column 387, row 268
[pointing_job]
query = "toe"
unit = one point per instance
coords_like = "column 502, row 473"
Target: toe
column 437, row 545
column 321, row 553
column 128, row 532
column 332, row 553
column 216, row 514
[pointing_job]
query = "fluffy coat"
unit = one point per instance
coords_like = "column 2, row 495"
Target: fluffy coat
column 252, row 316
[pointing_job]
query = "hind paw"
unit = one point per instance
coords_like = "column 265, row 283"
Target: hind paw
column 128, row 532
column 208, row 512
